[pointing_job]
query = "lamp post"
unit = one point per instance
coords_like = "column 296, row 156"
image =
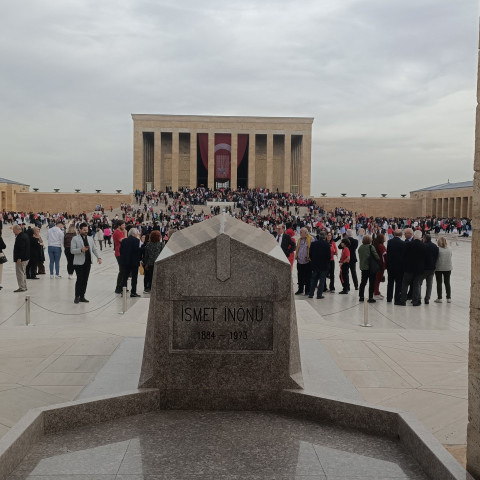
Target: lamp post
column 35, row 189
column 384, row 195
column 403, row 195
column 363, row 194
column 343, row 194
column 77, row 190
column 98, row 191
column 324, row 194
column 118, row 191
column 56, row 190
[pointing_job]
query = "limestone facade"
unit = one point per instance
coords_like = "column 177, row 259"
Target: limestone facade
column 448, row 200
column 72, row 203
column 473, row 429
column 166, row 152
column 8, row 194
column 376, row 207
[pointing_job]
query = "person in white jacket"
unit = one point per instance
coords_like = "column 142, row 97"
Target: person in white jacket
column 55, row 237
column 82, row 248
column 443, row 269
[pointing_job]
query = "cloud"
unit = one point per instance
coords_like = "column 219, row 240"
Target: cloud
column 391, row 84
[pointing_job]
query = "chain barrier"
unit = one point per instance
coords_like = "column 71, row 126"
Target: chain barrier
column 74, row 314
column 8, row 318
column 340, row 311
column 29, row 301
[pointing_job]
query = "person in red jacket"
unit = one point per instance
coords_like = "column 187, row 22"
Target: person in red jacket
column 378, row 243
column 118, row 235
column 290, row 232
column 345, row 265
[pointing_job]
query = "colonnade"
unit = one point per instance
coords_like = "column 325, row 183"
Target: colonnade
column 166, row 157
column 449, row 207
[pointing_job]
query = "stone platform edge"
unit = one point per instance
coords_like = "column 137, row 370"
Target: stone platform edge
column 421, row 444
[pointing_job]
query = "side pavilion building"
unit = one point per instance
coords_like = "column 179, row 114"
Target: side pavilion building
column 175, row 151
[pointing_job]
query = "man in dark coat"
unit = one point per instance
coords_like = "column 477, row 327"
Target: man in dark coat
column 319, row 259
column 286, row 242
column 413, row 267
column 130, row 259
column 395, row 254
column 21, row 257
column 353, row 257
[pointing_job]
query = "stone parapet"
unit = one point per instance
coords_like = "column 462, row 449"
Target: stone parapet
column 376, row 207
column 67, row 202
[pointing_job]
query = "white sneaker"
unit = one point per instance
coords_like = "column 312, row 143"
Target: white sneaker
column 449, row 300
column 51, row 276
column 378, row 297
column 58, row 276
column 438, row 300
column 70, row 276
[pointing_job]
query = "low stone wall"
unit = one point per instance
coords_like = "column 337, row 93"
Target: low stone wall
column 68, row 202
column 376, row 207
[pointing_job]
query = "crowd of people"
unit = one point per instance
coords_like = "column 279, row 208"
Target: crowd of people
column 140, row 230
column 408, row 263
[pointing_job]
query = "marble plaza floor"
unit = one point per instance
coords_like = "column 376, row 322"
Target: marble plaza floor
column 413, row 359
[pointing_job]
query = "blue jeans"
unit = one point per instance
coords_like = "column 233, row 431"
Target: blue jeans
column 317, row 275
column 54, row 253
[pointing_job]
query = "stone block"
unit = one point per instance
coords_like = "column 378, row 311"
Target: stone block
column 221, row 325
column 473, row 451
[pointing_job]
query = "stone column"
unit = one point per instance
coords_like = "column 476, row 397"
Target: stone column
column 473, row 428
column 251, row 161
column 211, row 160
column 157, row 161
column 269, row 184
column 138, row 160
column 175, row 159
column 233, row 164
column 287, row 164
column 305, row 170
column 193, row 159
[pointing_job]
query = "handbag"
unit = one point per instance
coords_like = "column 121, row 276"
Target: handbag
column 141, row 270
column 3, row 258
column 373, row 265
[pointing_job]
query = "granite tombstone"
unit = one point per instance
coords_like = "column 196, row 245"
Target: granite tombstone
column 222, row 331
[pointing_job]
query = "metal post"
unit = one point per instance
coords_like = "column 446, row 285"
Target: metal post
column 365, row 314
column 124, row 299
column 27, row 310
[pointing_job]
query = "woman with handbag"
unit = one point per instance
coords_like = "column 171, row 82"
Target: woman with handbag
column 369, row 266
column 3, row 258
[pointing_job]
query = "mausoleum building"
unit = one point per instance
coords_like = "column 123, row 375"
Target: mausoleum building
column 175, row 151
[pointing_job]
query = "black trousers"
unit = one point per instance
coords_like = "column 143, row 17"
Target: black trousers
column 414, row 279
column 69, row 256
column 120, row 276
column 331, row 276
column 446, row 279
column 369, row 277
column 129, row 270
column 395, row 279
column 346, row 281
column 32, row 268
column 148, row 277
column 304, row 274
column 353, row 272
column 83, row 272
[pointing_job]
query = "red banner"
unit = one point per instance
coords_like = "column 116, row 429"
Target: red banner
column 223, row 152
column 223, row 155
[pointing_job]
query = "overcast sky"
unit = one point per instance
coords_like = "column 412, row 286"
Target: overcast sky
column 391, row 84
